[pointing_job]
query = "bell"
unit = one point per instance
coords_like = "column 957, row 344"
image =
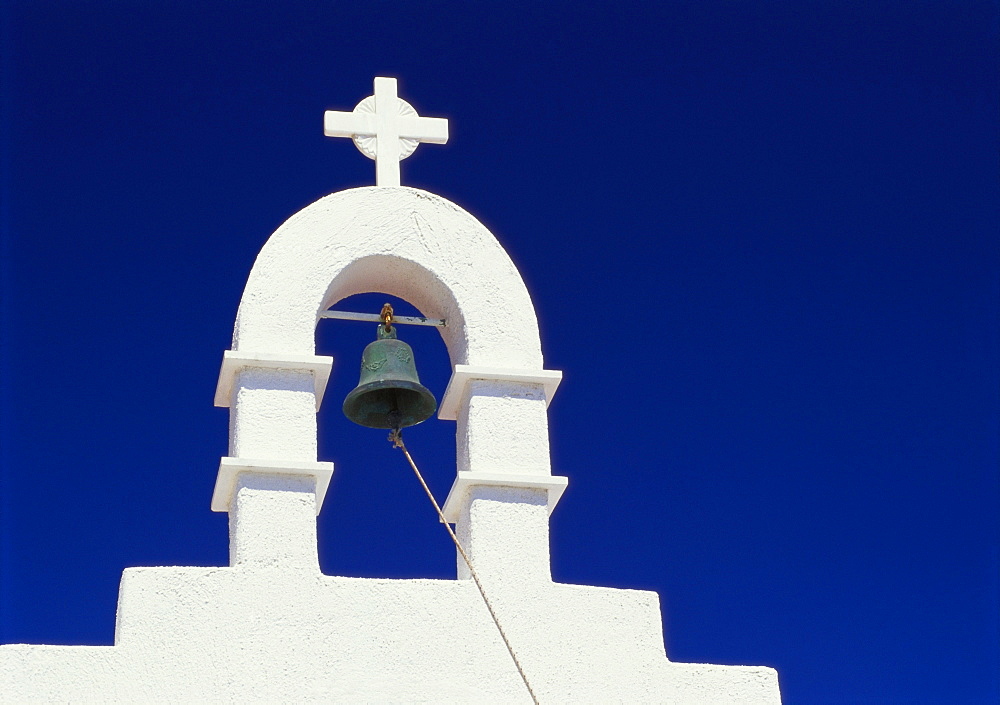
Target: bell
column 389, row 393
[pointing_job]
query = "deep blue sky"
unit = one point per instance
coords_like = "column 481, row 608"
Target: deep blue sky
column 761, row 238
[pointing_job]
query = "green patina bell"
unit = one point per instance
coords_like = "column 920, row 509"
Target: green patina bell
column 389, row 393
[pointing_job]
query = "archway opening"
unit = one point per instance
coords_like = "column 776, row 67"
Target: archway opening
column 376, row 520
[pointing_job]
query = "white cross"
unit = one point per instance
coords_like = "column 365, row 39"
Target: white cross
column 385, row 128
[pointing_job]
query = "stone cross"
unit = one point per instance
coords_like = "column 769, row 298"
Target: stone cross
column 385, row 128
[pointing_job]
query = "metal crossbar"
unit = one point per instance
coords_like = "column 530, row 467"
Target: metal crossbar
column 376, row 318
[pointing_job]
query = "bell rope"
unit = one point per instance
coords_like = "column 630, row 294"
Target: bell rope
column 396, row 438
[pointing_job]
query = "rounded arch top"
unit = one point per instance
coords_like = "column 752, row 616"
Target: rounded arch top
column 393, row 240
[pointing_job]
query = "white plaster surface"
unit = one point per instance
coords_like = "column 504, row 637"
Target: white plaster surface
column 231, row 468
column 270, row 635
column 272, row 521
column 503, row 427
column 393, row 240
column 455, row 393
column 270, row 627
column 273, row 415
column 234, row 362
column 458, row 497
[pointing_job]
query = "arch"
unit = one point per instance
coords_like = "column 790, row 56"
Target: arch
column 394, row 240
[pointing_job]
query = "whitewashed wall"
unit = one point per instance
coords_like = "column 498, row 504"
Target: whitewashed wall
column 270, row 627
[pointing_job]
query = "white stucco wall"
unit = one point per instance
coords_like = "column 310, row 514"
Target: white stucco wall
column 272, row 628
column 399, row 241
column 279, row 635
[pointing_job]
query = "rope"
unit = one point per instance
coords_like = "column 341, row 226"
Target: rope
column 396, row 437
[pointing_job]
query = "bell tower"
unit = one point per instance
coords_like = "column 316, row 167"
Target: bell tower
column 270, row 626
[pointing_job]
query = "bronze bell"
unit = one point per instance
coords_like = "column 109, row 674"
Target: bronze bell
column 389, row 393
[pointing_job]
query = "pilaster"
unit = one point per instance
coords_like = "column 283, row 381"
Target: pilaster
column 271, row 485
column 272, row 522
column 504, row 490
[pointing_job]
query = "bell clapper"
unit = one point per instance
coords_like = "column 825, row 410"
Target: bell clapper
column 395, row 419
